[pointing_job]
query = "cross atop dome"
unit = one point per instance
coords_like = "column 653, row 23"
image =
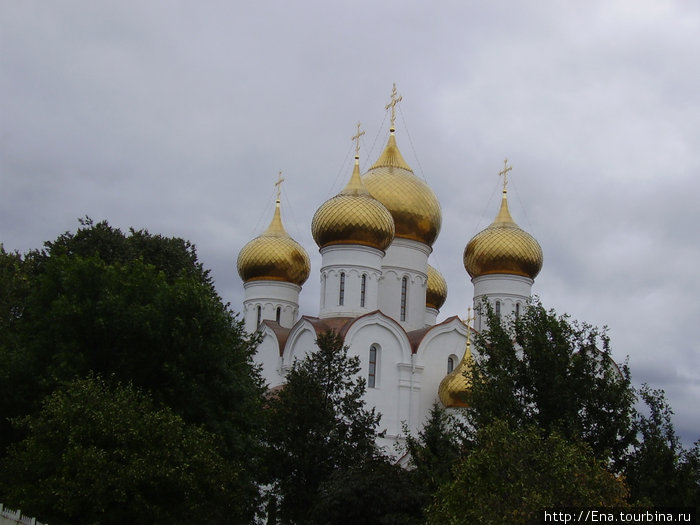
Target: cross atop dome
column 395, row 99
column 278, row 185
column 356, row 138
column 504, row 172
column 468, row 322
column 469, row 318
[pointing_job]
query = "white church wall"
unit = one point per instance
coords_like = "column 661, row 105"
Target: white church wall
column 431, row 316
column 267, row 355
column 405, row 258
column 391, row 394
column 352, row 262
column 439, row 344
column 508, row 290
column 301, row 341
column 269, row 296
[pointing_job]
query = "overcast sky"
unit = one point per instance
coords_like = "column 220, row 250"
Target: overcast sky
column 177, row 116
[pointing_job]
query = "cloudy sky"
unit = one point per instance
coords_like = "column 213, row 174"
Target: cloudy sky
column 177, row 116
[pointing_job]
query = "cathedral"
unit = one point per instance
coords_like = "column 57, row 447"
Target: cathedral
column 378, row 290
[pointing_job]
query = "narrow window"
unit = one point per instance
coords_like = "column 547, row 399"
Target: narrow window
column 363, row 289
column 517, row 310
column 259, row 315
column 498, row 309
column 323, row 291
column 372, row 376
column 341, row 295
column 450, row 364
column 278, row 314
column 404, row 287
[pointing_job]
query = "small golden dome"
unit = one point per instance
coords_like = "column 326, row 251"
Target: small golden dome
column 414, row 206
column 436, row 292
column 455, row 385
column 503, row 248
column 274, row 256
column 353, row 217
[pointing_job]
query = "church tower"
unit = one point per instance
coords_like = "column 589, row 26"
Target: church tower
column 503, row 261
column 352, row 231
column 417, row 219
column 273, row 267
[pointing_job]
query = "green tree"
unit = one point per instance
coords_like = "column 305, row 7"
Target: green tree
column 139, row 307
column 102, row 452
column 433, row 453
column 544, row 370
column 513, row 473
column 375, row 492
column 317, row 425
column 16, row 374
column 659, row 471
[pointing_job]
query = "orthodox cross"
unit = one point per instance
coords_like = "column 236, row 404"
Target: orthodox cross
column 469, row 320
column 356, row 138
column 278, row 185
column 394, row 101
column 504, row 172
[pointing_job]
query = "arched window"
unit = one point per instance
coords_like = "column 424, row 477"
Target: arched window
column 259, row 315
column 278, row 314
column 450, row 364
column 341, row 294
column 363, row 289
column 404, row 290
column 498, row 309
column 517, row 310
column 373, row 366
column 323, row 291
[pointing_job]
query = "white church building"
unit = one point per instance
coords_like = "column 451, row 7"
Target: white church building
column 378, row 290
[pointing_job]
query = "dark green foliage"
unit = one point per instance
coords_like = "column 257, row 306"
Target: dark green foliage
column 140, row 308
column 377, row 492
column 318, row 425
column 101, row 452
column 545, row 371
column 433, row 453
column 659, row 471
column 511, row 474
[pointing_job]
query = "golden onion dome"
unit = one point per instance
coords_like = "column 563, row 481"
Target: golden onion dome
column 353, row 217
column 436, row 292
column 274, row 256
column 503, row 247
column 455, row 386
column 413, row 205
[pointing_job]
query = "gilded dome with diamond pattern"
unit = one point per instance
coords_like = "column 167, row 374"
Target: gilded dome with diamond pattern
column 503, row 247
column 353, row 217
column 413, row 205
column 274, row 256
column 436, row 292
column 455, row 386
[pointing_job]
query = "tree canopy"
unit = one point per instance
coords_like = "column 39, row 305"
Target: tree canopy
column 137, row 307
column 659, row 471
column 511, row 474
column 541, row 369
column 102, row 452
column 323, row 463
column 318, row 424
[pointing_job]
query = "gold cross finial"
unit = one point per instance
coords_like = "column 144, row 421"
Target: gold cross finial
column 504, row 172
column 356, row 138
column 394, row 101
column 278, row 185
column 468, row 321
